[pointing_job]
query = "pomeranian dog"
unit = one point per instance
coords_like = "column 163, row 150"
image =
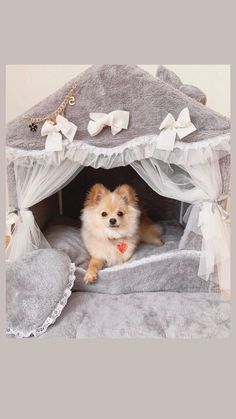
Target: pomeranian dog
column 113, row 226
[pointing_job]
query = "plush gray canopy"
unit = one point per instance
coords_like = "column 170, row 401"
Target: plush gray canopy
column 105, row 88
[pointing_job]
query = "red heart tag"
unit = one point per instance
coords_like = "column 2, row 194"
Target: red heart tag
column 122, row 247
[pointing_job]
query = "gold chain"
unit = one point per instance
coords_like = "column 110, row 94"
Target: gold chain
column 69, row 98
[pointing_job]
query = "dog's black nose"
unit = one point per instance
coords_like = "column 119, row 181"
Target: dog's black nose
column 112, row 221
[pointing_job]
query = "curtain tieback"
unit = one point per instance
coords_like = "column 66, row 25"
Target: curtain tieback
column 214, row 229
column 14, row 214
column 215, row 232
column 216, row 205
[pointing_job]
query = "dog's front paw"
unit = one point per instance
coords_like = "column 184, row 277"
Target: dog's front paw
column 90, row 278
column 159, row 242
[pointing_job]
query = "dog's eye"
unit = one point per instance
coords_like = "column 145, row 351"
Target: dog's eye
column 120, row 214
column 104, row 214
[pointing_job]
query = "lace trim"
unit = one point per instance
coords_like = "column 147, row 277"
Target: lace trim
column 55, row 313
column 150, row 141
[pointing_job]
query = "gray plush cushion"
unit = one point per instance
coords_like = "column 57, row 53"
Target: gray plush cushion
column 104, row 88
column 37, row 290
column 143, row 315
column 151, row 268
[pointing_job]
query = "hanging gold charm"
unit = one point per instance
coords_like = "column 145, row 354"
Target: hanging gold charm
column 68, row 99
column 71, row 100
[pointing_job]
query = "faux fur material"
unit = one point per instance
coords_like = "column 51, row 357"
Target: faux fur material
column 37, row 290
column 104, row 88
column 143, row 315
column 171, row 78
column 173, row 314
column 151, row 268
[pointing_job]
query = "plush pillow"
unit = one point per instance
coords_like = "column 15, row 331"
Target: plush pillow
column 37, row 290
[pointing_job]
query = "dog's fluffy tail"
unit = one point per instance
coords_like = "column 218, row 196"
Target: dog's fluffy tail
column 150, row 232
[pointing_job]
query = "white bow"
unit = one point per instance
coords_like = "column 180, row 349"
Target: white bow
column 117, row 120
column 11, row 219
column 13, row 216
column 54, row 136
column 170, row 127
column 25, row 234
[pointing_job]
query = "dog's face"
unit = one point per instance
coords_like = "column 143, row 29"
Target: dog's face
column 113, row 214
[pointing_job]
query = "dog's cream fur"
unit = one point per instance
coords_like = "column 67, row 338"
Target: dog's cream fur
column 103, row 240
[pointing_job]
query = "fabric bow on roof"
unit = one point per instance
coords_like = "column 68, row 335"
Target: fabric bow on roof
column 105, row 88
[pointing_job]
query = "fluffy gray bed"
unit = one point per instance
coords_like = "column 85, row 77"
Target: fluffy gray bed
column 151, row 268
column 167, row 292
column 143, row 315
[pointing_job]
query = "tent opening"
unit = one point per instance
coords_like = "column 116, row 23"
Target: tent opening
column 157, row 207
column 59, row 215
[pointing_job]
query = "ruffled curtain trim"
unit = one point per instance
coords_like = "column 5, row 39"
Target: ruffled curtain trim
column 134, row 150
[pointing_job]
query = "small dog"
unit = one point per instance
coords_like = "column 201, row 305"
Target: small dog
column 113, row 226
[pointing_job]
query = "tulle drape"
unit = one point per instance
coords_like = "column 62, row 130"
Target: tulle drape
column 190, row 173
column 136, row 149
column 33, row 184
column 201, row 186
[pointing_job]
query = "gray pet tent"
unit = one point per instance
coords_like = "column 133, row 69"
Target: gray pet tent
column 173, row 173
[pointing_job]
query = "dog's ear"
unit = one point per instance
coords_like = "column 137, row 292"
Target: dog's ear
column 95, row 194
column 128, row 194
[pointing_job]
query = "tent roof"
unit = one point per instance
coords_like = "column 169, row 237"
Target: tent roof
column 104, row 88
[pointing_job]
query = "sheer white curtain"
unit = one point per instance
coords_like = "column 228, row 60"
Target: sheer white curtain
column 212, row 222
column 201, row 186
column 33, row 184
